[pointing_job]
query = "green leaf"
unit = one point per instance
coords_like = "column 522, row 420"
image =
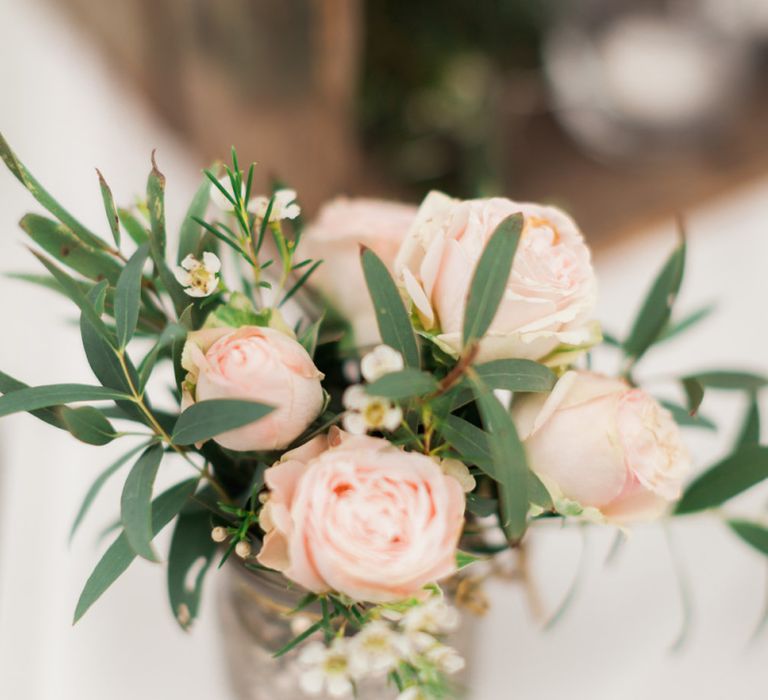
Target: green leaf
column 750, row 429
column 109, row 208
column 309, row 337
column 730, row 381
column 136, row 502
column 192, row 551
column 672, row 330
column 464, row 559
column 694, row 392
column 88, row 425
column 391, row 316
column 207, row 419
column 57, row 240
column 191, row 233
column 516, row 375
column 119, row 556
column 736, row 473
column 33, row 398
column 684, row 418
column 508, row 457
column 657, row 307
column 172, row 332
column 480, row 506
column 135, row 229
column 156, row 206
column 51, row 415
column 403, row 384
column 73, row 290
column 490, row 278
column 753, row 534
column 301, row 281
column 41, row 195
column 96, row 486
column 128, row 297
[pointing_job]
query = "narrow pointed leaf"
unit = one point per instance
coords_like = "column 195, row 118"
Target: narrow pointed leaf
column 657, row 307
column 58, row 241
column 403, row 384
column 41, row 195
column 51, row 415
column 128, row 297
column 727, row 380
column 33, row 398
column 191, row 233
column 694, row 392
column 672, row 330
column 109, row 208
column 516, row 375
column 204, row 420
column 683, row 417
column 96, row 486
column 736, row 473
column 490, row 279
column 391, row 316
column 754, row 534
column 750, row 429
column 172, row 332
column 119, row 556
column 88, row 425
column 136, row 502
column 135, row 229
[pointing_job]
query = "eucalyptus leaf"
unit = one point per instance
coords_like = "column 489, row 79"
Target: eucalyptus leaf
column 171, row 333
column 516, row 375
column 59, row 241
column 694, row 392
column 88, row 425
column 728, row 380
column 109, row 208
column 97, row 485
column 738, row 472
column 490, row 278
column 394, row 323
column 402, row 384
column 51, row 415
column 754, row 534
column 750, row 429
column 207, row 419
column 33, row 398
column 128, row 296
column 656, row 310
column 683, row 417
column 119, row 556
column 672, row 330
column 136, row 502
column 309, row 337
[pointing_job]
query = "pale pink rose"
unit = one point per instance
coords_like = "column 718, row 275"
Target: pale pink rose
column 550, row 297
column 355, row 514
column 255, row 364
column 335, row 237
column 603, row 444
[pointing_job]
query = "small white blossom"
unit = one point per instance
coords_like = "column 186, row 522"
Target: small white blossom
column 366, row 413
column 327, row 668
column 377, row 649
column 243, row 549
column 380, row 361
column 219, row 534
column 284, row 206
column 459, row 471
column 198, row 277
column 445, row 658
column 219, row 199
column 434, row 616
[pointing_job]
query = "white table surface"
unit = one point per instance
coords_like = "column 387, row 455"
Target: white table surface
column 65, row 113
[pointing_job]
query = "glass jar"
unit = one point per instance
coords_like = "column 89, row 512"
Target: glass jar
column 254, row 607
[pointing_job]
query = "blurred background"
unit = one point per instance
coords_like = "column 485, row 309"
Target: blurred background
column 623, row 112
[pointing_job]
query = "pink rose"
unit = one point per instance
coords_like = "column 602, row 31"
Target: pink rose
column 597, row 441
column 335, row 237
column 551, row 292
column 355, row 514
column 256, row 364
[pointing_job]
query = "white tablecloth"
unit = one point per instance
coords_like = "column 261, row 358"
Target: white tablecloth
column 65, row 113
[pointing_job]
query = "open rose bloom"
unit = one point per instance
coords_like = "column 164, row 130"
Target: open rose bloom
column 452, row 450
column 551, row 292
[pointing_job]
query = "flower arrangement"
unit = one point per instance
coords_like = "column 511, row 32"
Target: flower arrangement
column 367, row 407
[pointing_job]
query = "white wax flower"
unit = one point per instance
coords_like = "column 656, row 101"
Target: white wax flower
column 284, row 206
column 327, row 668
column 377, row 649
column 367, row 413
column 199, row 277
column 218, row 199
column 445, row 658
column 434, row 616
column 459, row 471
column 380, row 361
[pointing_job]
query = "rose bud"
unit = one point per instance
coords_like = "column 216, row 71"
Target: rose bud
column 550, row 295
column 254, row 364
column 357, row 515
column 335, row 237
column 600, row 443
